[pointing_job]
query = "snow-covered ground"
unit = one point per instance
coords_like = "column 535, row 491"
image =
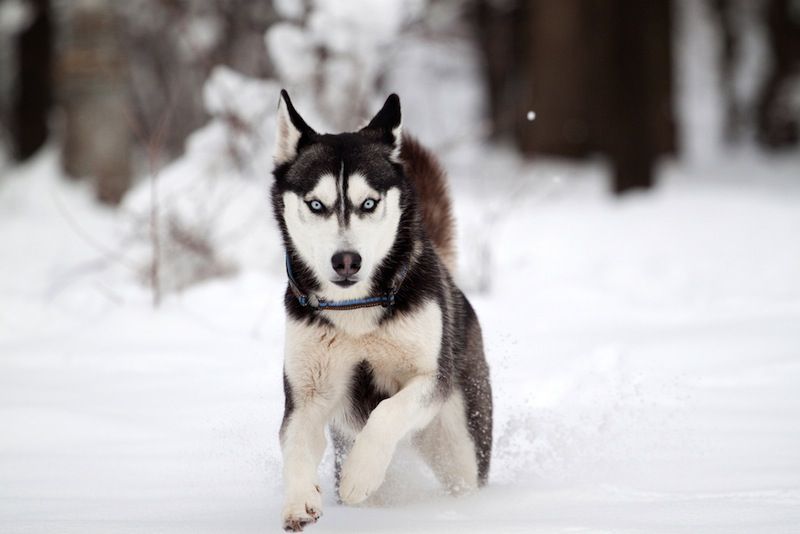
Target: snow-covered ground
column 645, row 355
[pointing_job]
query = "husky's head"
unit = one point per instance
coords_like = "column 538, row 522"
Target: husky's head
column 339, row 199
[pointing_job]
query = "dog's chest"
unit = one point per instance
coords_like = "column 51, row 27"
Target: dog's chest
column 397, row 350
column 392, row 361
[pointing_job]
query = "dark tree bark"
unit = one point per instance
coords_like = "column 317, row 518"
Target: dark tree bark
column 776, row 126
column 597, row 73
column 33, row 92
column 640, row 127
column 554, row 67
column 500, row 37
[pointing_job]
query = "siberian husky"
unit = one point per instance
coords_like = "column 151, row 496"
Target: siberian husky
column 380, row 343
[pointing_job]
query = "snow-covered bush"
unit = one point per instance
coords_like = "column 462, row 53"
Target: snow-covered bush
column 335, row 54
column 209, row 209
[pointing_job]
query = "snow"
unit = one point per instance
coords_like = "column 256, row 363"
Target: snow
column 289, row 9
column 645, row 355
column 15, row 16
column 201, row 33
column 332, row 62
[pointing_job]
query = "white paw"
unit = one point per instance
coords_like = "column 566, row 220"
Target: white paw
column 363, row 471
column 302, row 509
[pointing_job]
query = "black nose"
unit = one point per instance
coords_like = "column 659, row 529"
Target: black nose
column 346, row 264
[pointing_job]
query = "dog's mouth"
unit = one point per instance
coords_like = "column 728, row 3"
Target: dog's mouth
column 345, row 282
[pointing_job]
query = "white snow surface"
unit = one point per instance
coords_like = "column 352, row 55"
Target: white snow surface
column 645, row 356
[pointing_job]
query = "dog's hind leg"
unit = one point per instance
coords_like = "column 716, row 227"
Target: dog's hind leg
column 448, row 448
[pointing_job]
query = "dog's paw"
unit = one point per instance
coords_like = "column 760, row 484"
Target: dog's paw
column 302, row 510
column 363, row 471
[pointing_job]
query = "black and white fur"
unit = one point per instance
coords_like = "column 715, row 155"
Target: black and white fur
column 373, row 375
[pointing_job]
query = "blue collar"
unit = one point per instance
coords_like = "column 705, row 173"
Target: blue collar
column 312, row 301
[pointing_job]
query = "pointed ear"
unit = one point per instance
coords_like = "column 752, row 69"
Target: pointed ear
column 292, row 131
column 387, row 125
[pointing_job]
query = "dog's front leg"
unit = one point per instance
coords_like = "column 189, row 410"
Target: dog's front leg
column 411, row 408
column 314, row 383
column 302, row 445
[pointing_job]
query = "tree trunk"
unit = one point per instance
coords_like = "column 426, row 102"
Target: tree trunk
column 639, row 103
column 597, row 74
column 777, row 126
column 554, row 70
column 33, row 93
column 94, row 97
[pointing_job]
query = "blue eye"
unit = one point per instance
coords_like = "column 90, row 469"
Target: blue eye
column 369, row 205
column 315, row 206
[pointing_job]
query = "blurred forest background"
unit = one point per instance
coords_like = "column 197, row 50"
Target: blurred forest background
column 166, row 107
column 119, row 85
column 123, row 91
